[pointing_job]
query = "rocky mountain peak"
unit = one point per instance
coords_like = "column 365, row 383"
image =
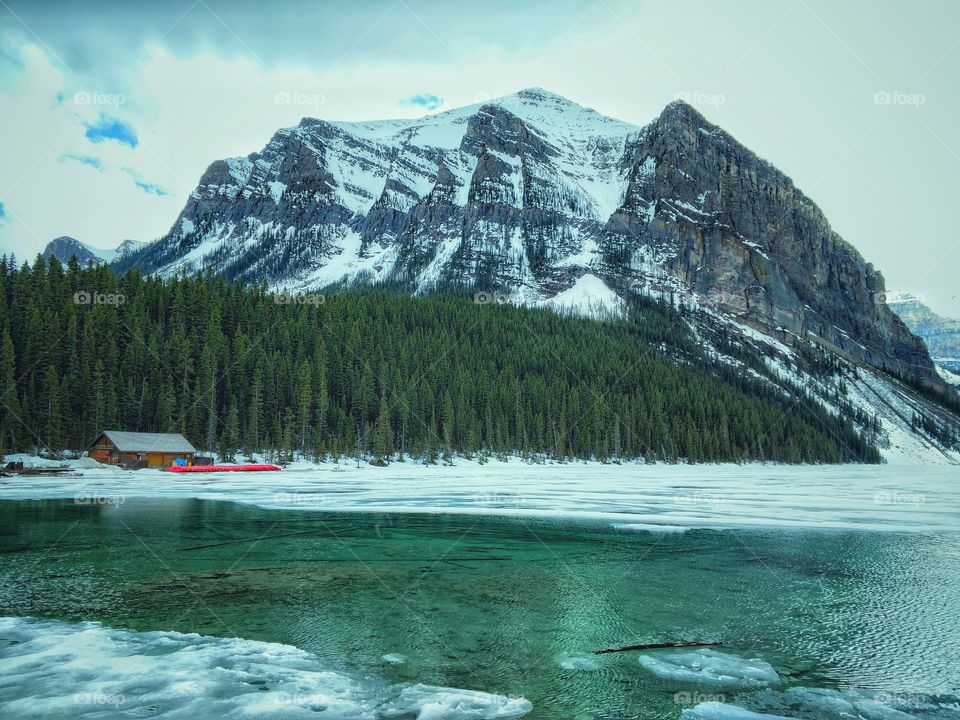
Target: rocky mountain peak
column 525, row 195
column 65, row 247
column 679, row 111
column 538, row 94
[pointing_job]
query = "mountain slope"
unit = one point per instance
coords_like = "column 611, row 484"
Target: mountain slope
column 524, row 196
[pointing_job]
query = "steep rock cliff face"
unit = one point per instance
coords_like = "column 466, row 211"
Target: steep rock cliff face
column 741, row 236
column 528, row 194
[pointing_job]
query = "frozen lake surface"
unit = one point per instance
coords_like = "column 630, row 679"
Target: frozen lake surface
column 669, row 497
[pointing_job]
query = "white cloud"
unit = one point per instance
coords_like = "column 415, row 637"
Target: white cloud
column 810, row 113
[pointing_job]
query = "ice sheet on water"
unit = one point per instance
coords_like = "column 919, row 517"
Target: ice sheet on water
column 806, row 703
column 428, row 702
column 723, row 711
column 677, row 496
column 831, row 704
column 53, row 669
column 710, row 667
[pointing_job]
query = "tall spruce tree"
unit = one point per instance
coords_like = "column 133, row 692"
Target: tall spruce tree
column 382, row 434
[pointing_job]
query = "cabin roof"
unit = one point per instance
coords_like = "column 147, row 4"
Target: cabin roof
column 148, row 442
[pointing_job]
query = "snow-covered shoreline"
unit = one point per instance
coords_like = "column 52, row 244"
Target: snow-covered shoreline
column 630, row 496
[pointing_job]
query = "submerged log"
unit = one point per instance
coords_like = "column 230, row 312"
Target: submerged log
column 658, row 646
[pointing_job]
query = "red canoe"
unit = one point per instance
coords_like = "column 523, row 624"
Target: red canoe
column 221, row 468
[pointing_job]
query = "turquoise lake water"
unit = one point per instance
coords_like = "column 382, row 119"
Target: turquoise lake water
column 508, row 606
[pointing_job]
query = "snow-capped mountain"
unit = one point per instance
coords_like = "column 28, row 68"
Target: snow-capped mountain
column 65, row 247
column 533, row 196
column 941, row 335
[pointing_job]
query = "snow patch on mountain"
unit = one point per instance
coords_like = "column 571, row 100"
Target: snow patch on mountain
column 589, row 296
column 951, row 377
column 351, row 260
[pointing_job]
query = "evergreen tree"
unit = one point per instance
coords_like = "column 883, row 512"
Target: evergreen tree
column 230, row 439
column 9, row 403
column 382, row 434
column 53, row 437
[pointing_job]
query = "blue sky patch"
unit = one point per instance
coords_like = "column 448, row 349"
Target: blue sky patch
column 151, row 189
column 424, row 100
column 148, row 187
column 108, row 128
column 93, row 162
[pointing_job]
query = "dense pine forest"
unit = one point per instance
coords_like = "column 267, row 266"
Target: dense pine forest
column 377, row 375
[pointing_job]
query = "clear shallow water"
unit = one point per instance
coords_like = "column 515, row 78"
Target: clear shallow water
column 508, row 606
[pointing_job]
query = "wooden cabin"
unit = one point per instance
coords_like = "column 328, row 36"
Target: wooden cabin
column 140, row 450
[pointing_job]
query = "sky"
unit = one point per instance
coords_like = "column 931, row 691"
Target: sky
column 112, row 109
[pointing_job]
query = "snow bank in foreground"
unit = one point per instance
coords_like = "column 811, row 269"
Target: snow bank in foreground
column 710, row 667
column 53, row 669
